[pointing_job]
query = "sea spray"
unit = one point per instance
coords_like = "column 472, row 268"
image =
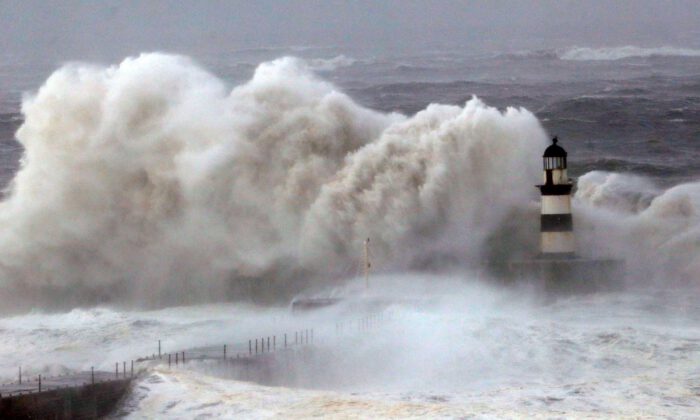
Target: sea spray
column 148, row 181
column 656, row 231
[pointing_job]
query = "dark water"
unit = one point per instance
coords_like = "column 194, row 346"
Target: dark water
column 638, row 114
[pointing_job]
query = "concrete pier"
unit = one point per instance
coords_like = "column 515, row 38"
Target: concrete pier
column 95, row 394
column 72, row 400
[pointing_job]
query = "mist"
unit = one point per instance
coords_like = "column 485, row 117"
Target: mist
column 149, row 181
column 164, row 184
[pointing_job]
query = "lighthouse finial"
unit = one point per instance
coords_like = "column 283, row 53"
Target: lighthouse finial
column 555, row 139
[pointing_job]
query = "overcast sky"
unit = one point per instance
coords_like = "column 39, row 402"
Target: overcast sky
column 72, row 29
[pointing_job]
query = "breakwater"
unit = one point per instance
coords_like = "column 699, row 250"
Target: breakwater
column 96, row 393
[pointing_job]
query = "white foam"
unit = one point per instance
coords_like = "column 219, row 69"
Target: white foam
column 628, row 51
column 657, row 231
column 149, row 179
column 330, row 64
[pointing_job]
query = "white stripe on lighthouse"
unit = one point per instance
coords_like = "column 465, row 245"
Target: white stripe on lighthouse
column 557, row 242
column 556, row 204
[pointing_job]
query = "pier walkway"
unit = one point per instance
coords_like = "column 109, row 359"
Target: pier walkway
column 95, row 393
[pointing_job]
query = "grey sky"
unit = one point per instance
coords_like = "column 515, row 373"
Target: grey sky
column 72, row 29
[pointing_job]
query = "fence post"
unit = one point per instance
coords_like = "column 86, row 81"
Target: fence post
column 183, row 357
column 169, row 359
column 132, row 367
column 20, row 375
column 224, row 351
column 39, row 382
column 274, row 343
column 92, row 375
column 268, row 344
column 256, row 346
column 116, row 370
column 124, row 370
column 158, row 349
column 250, row 347
column 177, row 358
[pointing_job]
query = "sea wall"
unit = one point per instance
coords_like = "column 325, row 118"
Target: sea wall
column 89, row 401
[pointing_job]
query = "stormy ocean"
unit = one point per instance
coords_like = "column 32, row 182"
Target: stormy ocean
column 137, row 190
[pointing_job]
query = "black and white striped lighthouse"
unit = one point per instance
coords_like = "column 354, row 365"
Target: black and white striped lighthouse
column 556, row 223
column 557, row 268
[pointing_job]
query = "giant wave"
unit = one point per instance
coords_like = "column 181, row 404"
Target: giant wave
column 150, row 180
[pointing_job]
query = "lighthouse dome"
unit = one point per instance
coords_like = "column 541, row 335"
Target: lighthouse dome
column 554, row 150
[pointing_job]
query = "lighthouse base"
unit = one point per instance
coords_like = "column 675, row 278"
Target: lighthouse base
column 569, row 275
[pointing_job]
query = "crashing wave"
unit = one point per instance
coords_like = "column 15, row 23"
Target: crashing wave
column 149, row 178
column 629, row 51
column 330, row 64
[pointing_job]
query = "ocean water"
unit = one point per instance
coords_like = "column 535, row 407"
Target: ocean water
column 485, row 353
column 135, row 191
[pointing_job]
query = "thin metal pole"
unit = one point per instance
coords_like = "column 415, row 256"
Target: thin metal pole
column 132, row 367
column 169, row 359
column 296, row 340
column 92, row 375
column 124, row 370
column 312, row 335
column 39, row 383
column 183, row 357
column 158, row 349
column 116, row 369
column 268, row 344
column 177, row 358
column 285, row 340
column 20, row 375
column 250, row 347
column 224, row 351
column 256, row 346
column 274, row 342
column 367, row 263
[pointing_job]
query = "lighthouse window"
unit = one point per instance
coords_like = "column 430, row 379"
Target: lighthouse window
column 554, row 163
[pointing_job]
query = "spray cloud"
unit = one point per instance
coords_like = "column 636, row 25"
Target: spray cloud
column 150, row 180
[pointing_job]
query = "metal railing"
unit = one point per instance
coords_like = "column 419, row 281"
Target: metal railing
column 252, row 348
column 255, row 347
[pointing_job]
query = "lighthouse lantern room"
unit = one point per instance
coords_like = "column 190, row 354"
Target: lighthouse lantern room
column 556, row 223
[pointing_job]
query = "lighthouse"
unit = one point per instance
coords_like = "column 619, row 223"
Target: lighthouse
column 556, row 223
column 556, row 268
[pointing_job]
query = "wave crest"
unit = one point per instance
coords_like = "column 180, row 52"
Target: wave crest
column 149, row 180
column 629, row 51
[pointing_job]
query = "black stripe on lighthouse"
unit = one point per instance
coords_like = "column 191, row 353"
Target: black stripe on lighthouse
column 556, row 223
column 555, row 189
